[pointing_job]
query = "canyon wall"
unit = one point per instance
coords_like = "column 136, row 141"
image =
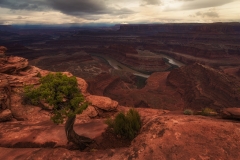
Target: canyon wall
column 202, row 86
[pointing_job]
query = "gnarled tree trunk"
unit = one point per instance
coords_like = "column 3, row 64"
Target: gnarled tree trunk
column 73, row 137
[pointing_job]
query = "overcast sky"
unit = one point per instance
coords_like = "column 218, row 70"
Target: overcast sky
column 117, row 11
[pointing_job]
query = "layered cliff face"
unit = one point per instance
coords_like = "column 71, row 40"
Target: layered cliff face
column 202, row 86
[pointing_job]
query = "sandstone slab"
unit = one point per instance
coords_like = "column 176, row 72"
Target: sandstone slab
column 103, row 103
column 5, row 115
column 45, row 133
column 12, row 64
column 165, row 137
column 231, row 113
column 90, row 111
column 82, row 84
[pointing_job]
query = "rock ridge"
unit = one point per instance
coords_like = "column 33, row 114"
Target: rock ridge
column 202, row 86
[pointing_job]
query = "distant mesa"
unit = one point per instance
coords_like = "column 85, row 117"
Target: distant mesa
column 184, row 27
column 5, row 27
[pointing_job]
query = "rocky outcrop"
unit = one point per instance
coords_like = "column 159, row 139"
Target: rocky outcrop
column 15, row 73
column 5, row 115
column 202, row 86
column 164, row 138
column 98, row 85
column 101, row 102
column 91, row 112
column 11, row 65
column 5, row 92
column 231, row 113
column 137, row 92
column 2, row 51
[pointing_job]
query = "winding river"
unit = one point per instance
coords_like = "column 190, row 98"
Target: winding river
column 119, row 66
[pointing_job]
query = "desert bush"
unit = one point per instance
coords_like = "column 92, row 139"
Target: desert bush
column 207, row 111
column 126, row 125
column 30, row 95
column 188, row 112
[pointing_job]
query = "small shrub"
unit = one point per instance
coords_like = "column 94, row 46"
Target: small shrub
column 109, row 122
column 207, row 111
column 30, row 95
column 126, row 125
column 188, row 112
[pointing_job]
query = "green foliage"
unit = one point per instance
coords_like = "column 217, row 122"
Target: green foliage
column 58, row 91
column 207, row 111
column 188, row 112
column 126, row 125
column 30, row 96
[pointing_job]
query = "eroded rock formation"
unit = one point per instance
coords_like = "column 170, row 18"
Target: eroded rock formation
column 15, row 72
column 2, row 51
column 231, row 113
column 202, row 86
column 5, row 91
column 152, row 93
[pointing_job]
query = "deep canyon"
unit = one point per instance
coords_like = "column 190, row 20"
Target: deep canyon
column 159, row 69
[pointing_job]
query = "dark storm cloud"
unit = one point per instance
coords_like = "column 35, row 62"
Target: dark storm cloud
column 83, row 8
column 23, row 4
column 80, row 7
column 196, row 4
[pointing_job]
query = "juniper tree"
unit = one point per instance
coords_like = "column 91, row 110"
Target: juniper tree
column 62, row 93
